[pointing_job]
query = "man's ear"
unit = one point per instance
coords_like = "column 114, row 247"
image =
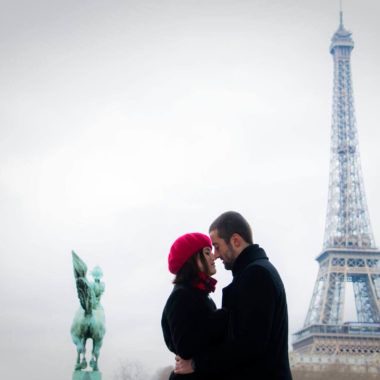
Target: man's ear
column 236, row 240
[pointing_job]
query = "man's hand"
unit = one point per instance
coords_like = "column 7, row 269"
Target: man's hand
column 182, row 366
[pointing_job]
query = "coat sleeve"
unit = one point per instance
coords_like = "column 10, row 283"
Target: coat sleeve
column 183, row 319
column 191, row 325
column 250, row 325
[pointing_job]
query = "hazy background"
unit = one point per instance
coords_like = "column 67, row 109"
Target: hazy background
column 124, row 124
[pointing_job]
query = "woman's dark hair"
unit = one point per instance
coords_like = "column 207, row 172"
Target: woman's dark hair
column 189, row 272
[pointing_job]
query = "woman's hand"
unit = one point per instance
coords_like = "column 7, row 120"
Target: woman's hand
column 182, row 366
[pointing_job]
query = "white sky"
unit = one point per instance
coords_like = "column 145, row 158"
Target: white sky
column 124, row 124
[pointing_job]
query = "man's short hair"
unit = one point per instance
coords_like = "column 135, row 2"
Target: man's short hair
column 229, row 223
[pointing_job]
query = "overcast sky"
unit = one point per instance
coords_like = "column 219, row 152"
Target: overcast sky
column 124, row 124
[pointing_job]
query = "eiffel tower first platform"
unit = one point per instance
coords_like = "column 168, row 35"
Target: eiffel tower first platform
column 349, row 251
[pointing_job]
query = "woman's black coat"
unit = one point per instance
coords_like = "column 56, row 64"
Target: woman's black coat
column 190, row 323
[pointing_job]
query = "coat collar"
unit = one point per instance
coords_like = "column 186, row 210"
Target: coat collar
column 248, row 255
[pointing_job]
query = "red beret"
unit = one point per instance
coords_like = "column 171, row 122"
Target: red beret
column 185, row 247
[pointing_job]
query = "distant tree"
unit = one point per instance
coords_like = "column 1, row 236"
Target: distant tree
column 129, row 370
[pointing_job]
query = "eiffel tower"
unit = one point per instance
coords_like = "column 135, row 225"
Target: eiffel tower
column 349, row 252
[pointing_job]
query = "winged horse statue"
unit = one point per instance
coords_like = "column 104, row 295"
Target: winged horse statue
column 89, row 320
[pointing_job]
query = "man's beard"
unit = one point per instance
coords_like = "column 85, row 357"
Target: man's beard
column 229, row 263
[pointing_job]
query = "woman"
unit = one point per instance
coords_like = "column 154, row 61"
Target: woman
column 190, row 320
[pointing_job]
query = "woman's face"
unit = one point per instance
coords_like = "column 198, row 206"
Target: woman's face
column 210, row 261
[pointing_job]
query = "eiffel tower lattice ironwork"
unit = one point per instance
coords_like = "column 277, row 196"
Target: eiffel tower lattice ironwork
column 349, row 252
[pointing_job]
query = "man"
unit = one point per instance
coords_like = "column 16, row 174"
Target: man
column 257, row 343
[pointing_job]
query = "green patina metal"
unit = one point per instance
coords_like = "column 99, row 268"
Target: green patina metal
column 89, row 320
column 84, row 375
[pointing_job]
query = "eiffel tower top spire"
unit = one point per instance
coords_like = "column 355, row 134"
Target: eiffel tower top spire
column 347, row 220
column 342, row 37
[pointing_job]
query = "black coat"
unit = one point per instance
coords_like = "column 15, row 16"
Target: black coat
column 190, row 323
column 257, row 343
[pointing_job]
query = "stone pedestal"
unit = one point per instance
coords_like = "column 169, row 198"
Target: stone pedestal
column 87, row 375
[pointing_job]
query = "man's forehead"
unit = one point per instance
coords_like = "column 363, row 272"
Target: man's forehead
column 214, row 235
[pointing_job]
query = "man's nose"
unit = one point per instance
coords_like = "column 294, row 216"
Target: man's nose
column 216, row 255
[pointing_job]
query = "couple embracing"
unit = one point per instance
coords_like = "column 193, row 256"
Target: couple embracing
column 248, row 337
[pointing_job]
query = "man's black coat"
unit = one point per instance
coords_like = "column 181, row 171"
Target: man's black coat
column 257, row 343
column 190, row 323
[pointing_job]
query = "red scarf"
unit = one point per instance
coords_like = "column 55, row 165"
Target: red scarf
column 205, row 283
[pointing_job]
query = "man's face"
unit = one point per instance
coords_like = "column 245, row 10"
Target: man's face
column 223, row 250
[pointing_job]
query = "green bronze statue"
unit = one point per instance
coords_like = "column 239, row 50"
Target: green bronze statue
column 89, row 320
